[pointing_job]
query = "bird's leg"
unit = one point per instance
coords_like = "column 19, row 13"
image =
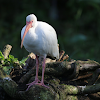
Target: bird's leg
column 37, row 69
column 36, row 77
column 43, row 70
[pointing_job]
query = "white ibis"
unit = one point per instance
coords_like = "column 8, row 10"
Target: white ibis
column 41, row 39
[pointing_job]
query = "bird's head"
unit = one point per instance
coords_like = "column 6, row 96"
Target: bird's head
column 30, row 22
column 31, row 19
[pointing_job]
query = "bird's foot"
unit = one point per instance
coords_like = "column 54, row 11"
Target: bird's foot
column 42, row 84
column 33, row 83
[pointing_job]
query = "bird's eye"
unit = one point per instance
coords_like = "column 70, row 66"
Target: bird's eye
column 32, row 20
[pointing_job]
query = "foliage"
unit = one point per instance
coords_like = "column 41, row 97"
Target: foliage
column 10, row 62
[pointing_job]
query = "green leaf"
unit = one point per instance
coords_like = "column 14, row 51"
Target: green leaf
column 1, row 56
column 23, row 61
column 7, row 69
column 6, row 61
column 12, row 60
column 11, row 56
column 15, row 59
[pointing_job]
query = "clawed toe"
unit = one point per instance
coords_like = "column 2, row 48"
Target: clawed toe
column 33, row 83
column 36, row 83
column 42, row 84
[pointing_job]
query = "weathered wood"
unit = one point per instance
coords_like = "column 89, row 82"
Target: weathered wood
column 6, row 50
column 69, row 69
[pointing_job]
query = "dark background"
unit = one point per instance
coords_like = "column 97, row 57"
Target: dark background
column 77, row 23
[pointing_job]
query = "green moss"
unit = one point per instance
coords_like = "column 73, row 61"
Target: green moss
column 54, row 81
column 69, row 89
column 46, row 95
column 71, row 97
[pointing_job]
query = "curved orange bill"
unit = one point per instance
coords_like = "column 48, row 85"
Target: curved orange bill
column 28, row 26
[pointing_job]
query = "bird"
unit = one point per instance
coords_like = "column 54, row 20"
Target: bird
column 40, row 38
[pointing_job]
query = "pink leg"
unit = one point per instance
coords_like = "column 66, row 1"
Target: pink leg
column 36, row 77
column 43, row 70
column 37, row 69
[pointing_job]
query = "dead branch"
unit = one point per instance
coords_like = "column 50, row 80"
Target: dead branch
column 6, row 50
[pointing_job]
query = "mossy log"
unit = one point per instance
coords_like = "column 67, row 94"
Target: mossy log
column 55, row 92
column 65, row 68
column 54, row 72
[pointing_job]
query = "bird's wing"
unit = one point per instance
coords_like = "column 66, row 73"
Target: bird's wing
column 49, row 39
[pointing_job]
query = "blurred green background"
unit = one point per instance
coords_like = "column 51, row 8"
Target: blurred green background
column 77, row 23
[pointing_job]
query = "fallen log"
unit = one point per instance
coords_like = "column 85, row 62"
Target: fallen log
column 58, row 92
column 69, row 69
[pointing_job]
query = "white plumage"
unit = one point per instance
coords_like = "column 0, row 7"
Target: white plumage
column 39, row 38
